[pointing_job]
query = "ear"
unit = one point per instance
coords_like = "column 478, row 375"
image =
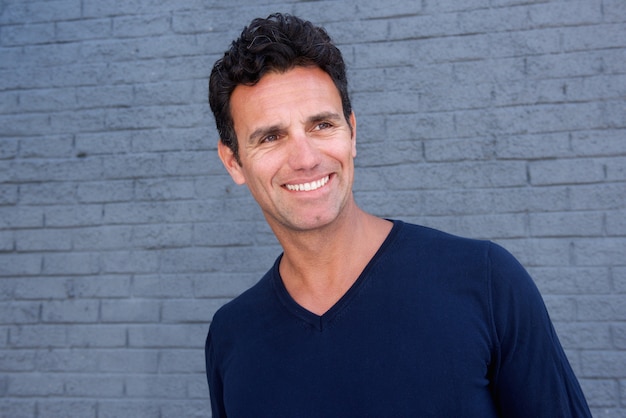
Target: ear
column 353, row 125
column 230, row 162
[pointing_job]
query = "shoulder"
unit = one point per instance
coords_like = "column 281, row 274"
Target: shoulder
column 440, row 245
column 244, row 308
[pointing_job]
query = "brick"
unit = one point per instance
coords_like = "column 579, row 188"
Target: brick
column 43, row 240
column 491, row 226
column 616, row 169
column 47, row 193
column 191, row 260
column 592, row 37
column 223, row 285
column 584, row 335
column 140, row 25
column 20, row 264
column 103, row 143
column 561, row 308
column 105, row 192
column 600, row 392
column 8, row 148
column 17, row 408
column 96, row 335
column 102, row 386
column 162, row 236
column 164, row 189
column 167, row 335
column 41, row 11
column 130, row 262
column 84, row 29
column 7, row 241
column 190, row 311
column 67, row 216
column 182, row 361
column 163, row 286
column 598, row 196
column 70, row 311
column 8, row 194
column 15, row 125
column 190, row 408
column 601, row 308
column 197, row 389
column 603, row 364
column 69, row 360
column 58, row 170
column 215, row 235
column 104, row 96
column 614, row 10
column 131, row 311
column 167, row 93
column 572, row 280
column 619, row 279
column 566, row 172
column 133, row 166
column 187, row 164
column 619, row 335
column 616, row 222
column 26, row 217
column 31, row 385
column 102, row 238
column 34, row 33
column 17, row 360
column 120, row 7
column 83, row 120
column 71, row 263
column 164, row 387
column 459, row 150
column 565, row 13
column 19, row 312
column 187, row 139
column 51, row 147
column 593, row 252
column 60, row 407
column 34, row 288
column 127, row 407
column 128, row 361
column 567, row 224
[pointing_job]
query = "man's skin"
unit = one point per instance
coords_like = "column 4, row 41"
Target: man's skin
column 296, row 155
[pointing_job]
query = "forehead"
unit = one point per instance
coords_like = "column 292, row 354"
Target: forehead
column 299, row 89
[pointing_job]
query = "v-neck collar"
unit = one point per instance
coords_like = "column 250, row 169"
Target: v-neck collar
column 320, row 322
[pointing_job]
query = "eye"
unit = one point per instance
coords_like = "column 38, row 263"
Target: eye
column 269, row 138
column 322, row 125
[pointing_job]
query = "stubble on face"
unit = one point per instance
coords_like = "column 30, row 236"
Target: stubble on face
column 295, row 147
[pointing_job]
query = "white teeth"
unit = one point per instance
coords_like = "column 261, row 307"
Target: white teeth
column 307, row 187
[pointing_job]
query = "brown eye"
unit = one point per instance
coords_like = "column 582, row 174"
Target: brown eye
column 322, row 125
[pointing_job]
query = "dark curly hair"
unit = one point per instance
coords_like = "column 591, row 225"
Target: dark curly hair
column 275, row 44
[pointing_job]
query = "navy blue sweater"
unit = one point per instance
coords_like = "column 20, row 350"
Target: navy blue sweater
column 435, row 326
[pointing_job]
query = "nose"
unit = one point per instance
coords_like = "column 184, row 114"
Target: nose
column 303, row 153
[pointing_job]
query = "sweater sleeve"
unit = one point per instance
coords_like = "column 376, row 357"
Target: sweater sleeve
column 532, row 377
column 214, row 379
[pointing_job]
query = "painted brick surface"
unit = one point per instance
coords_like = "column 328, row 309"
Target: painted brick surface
column 121, row 234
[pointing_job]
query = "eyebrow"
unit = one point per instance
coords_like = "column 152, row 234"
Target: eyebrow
column 266, row 130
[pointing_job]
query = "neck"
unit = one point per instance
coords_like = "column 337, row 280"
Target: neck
column 319, row 266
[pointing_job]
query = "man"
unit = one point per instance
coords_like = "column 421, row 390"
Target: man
column 360, row 316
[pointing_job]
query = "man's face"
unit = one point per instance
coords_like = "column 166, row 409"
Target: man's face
column 295, row 146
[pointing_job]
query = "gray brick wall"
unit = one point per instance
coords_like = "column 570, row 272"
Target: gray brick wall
column 121, row 234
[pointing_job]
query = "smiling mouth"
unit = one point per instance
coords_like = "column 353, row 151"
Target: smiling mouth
column 308, row 187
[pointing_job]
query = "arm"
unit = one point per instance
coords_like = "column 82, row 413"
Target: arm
column 214, row 380
column 532, row 377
